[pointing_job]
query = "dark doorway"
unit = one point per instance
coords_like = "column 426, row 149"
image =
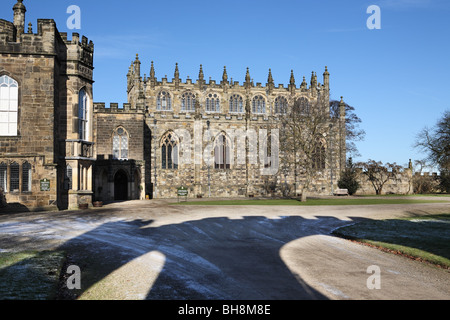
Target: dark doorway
column 120, row 186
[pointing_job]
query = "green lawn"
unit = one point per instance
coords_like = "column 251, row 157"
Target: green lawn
column 425, row 237
column 311, row 202
column 30, row 275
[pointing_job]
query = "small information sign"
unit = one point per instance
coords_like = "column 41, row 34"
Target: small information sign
column 45, row 185
column 182, row 192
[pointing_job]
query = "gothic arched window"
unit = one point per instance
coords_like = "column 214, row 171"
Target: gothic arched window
column 318, row 158
column 83, row 115
column 120, row 144
column 212, row 103
column 9, row 103
column 281, row 105
column 236, row 104
column 222, row 152
column 302, row 105
column 188, row 102
column 164, row 101
column 169, row 152
column 259, row 105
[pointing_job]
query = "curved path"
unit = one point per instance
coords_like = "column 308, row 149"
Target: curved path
column 150, row 250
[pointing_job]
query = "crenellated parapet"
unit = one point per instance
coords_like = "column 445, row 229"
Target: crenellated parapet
column 47, row 41
column 100, row 107
column 79, row 50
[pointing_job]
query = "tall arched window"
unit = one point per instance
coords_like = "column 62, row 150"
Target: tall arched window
column 302, row 105
column 3, row 176
column 281, row 105
column 222, row 152
column 9, row 102
column 259, row 105
column 318, row 158
column 188, row 102
column 212, row 103
column 164, row 101
column 236, row 104
column 14, row 170
column 83, row 115
column 26, row 177
column 169, row 152
column 120, row 144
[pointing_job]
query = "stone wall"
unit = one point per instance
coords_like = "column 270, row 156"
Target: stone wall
column 33, row 67
column 50, row 71
column 401, row 185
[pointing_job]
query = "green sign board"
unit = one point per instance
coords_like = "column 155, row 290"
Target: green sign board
column 182, row 192
column 45, row 185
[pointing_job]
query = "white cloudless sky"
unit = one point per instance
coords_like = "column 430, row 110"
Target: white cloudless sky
column 397, row 77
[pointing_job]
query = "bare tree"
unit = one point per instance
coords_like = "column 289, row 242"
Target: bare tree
column 303, row 140
column 353, row 132
column 435, row 142
column 379, row 174
column 423, row 183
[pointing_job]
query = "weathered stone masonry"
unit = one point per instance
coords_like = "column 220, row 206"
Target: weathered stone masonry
column 52, row 134
column 51, row 71
column 164, row 107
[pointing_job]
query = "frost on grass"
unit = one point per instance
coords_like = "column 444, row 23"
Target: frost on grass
column 30, row 275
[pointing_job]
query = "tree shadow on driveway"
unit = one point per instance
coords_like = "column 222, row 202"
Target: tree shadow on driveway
column 213, row 258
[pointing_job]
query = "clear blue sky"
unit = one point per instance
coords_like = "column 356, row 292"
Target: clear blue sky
column 397, row 78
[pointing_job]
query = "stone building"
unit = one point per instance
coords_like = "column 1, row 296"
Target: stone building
column 46, row 118
column 190, row 134
column 59, row 149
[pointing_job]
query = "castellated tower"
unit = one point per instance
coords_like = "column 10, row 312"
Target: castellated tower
column 170, row 111
column 46, row 138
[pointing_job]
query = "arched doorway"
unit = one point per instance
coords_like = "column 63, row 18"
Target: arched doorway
column 120, row 186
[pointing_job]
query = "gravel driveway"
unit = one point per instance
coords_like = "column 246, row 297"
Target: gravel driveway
column 151, row 250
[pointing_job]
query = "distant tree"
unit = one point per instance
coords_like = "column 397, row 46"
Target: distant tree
column 422, row 183
column 379, row 174
column 435, row 142
column 349, row 178
column 353, row 131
